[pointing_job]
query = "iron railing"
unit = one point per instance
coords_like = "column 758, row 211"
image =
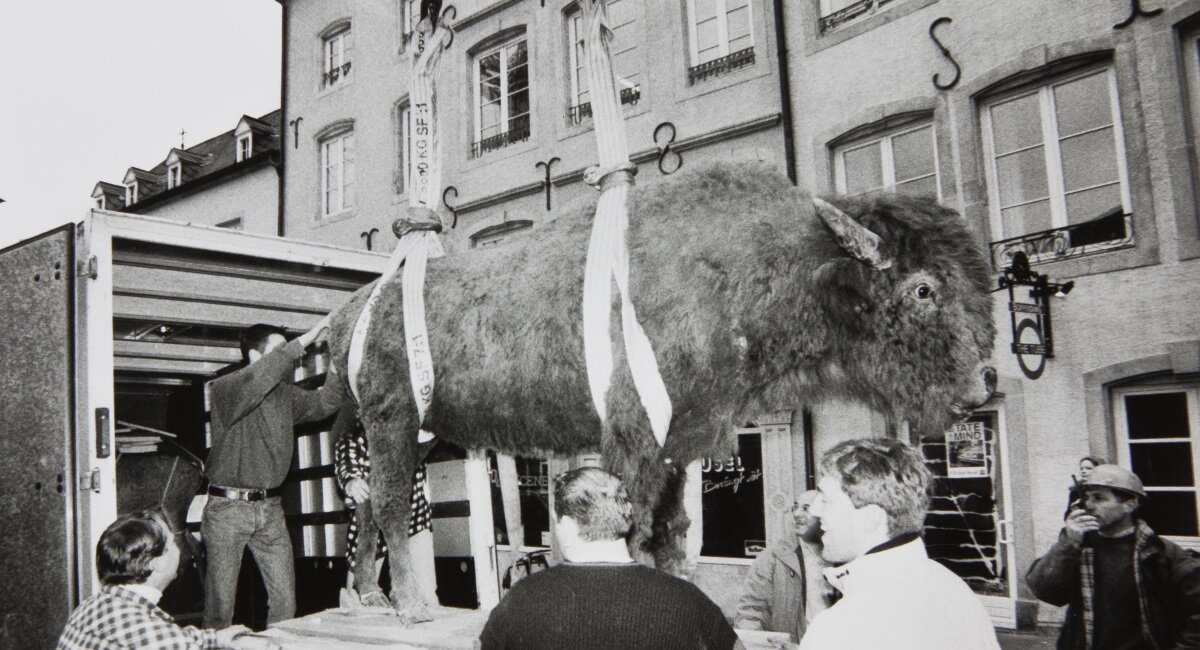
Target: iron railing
column 846, row 14
column 581, row 112
column 727, row 63
column 1111, row 231
column 332, row 75
column 518, row 130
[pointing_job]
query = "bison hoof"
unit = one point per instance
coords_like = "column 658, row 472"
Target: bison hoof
column 413, row 612
column 375, row 599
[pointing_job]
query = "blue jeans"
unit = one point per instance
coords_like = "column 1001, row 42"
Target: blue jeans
column 228, row 526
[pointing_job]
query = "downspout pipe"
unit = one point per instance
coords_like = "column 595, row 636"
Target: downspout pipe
column 281, row 168
column 785, row 91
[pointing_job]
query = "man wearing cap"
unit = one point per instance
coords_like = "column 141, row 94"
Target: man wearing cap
column 1124, row 586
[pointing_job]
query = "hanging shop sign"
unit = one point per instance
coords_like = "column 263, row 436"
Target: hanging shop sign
column 1032, row 336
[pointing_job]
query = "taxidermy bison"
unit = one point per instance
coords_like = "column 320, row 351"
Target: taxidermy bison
column 751, row 304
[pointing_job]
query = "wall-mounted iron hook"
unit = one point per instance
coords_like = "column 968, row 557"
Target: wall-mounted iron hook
column 946, row 53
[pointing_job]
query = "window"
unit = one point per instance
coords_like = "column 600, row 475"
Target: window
column 627, row 33
column 507, row 231
column 1056, row 161
column 402, row 176
column 131, row 193
column 501, row 97
column 1191, row 66
column 720, row 37
column 732, row 500
column 533, row 487
column 245, row 146
column 337, row 173
column 838, row 12
column 903, row 161
column 174, row 176
column 100, row 202
column 336, row 68
column 1157, row 429
column 410, row 15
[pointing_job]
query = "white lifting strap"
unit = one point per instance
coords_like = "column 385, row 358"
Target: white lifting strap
column 608, row 255
column 416, row 246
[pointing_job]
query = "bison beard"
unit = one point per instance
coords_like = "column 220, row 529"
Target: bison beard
column 751, row 306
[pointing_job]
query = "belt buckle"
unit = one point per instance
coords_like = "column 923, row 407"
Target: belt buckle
column 256, row 494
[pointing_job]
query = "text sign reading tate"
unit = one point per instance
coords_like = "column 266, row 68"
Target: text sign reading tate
column 966, row 450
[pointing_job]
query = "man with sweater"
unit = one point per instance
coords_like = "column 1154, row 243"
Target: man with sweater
column 254, row 410
column 873, row 496
column 600, row 598
column 1125, row 587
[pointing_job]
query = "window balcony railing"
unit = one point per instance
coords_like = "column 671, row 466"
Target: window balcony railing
column 518, row 130
column 727, row 63
column 332, row 75
column 1112, row 231
column 581, row 112
column 835, row 19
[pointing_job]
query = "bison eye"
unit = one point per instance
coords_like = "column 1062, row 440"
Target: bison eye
column 923, row 291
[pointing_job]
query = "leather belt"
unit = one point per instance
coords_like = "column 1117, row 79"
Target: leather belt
column 244, row 494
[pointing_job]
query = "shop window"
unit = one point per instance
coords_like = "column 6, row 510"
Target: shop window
column 732, row 500
column 507, row 231
column 402, row 175
column 336, row 54
column 720, row 37
column 1056, row 168
column 337, row 173
column 533, row 487
column 1157, row 429
column 903, row 161
column 627, row 33
column 501, row 80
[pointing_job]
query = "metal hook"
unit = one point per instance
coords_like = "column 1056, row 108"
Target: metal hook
column 546, row 183
column 449, row 207
column 444, row 20
column 946, row 53
column 1136, row 10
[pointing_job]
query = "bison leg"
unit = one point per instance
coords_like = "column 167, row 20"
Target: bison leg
column 655, row 485
column 394, row 457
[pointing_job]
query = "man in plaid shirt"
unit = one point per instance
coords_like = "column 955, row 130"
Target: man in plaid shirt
column 136, row 558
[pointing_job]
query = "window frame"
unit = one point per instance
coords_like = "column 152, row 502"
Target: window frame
column 324, row 142
column 579, row 111
column 402, row 176
column 337, row 36
column 174, row 176
column 477, row 98
column 695, row 476
column 131, row 193
column 722, row 18
column 100, row 202
column 887, row 156
column 244, row 152
column 1191, row 390
column 1191, row 69
column 1051, row 143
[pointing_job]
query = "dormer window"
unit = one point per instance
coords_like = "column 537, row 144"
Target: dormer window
column 336, row 48
column 244, row 147
column 100, row 202
column 131, row 193
column 174, row 176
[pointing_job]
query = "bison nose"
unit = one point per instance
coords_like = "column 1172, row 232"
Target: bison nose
column 989, row 381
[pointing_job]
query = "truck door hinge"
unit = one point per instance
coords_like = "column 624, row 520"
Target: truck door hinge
column 90, row 481
column 88, row 268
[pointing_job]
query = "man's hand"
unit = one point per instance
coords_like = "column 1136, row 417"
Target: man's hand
column 1079, row 523
column 307, row 338
column 225, row 636
column 357, row 489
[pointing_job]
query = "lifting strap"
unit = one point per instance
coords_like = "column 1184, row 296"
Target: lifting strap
column 608, row 254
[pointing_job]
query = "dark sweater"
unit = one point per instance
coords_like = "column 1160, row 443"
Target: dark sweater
column 625, row 606
column 1118, row 623
column 253, row 412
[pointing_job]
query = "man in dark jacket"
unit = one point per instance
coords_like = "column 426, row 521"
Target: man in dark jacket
column 253, row 412
column 1124, row 586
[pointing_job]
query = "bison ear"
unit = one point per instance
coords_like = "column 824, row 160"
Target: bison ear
column 853, row 237
column 841, row 287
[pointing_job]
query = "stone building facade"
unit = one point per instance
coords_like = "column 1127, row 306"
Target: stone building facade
column 1065, row 131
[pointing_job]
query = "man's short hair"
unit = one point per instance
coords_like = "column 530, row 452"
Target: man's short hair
column 255, row 338
column 597, row 501
column 888, row 473
column 127, row 547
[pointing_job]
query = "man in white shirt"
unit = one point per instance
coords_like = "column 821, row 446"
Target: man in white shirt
column 873, row 496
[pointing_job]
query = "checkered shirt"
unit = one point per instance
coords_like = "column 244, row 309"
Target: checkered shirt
column 119, row 619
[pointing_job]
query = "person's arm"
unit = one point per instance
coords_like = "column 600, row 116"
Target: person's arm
column 237, row 394
column 754, row 607
column 1185, row 585
column 1054, row 577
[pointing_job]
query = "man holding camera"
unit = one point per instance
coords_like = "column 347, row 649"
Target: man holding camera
column 1125, row 587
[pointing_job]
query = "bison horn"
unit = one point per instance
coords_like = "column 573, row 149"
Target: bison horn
column 852, row 236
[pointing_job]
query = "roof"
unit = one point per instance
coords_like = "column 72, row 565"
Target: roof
column 209, row 158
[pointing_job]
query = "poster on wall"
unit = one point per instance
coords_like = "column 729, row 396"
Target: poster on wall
column 732, row 501
column 966, row 450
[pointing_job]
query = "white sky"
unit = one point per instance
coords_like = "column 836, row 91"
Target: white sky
column 92, row 87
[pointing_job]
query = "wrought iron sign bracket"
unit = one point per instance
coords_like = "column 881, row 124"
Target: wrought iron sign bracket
column 1136, row 10
column 547, row 164
column 1032, row 334
column 449, row 189
column 946, row 53
column 665, row 150
column 368, row 237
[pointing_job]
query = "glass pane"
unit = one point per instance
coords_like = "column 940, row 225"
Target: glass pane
column 705, row 10
column 489, row 67
column 1171, row 513
column 518, row 54
column 1090, row 204
column 621, row 13
column 1082, row 104
column 864, row 170
column 518, row 78
column 489, row 119
column 1089, row 159
column 518, row 103
column 1016, row 124
column 1160, row 415
column 1022, row 177
column 732, row 501
column 913, row 154
column 1024, row 219
column 706, row 40
column 348, row 147
column 738, row 25
column 740, row 43
column 1163, row 464
column 920, row 187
